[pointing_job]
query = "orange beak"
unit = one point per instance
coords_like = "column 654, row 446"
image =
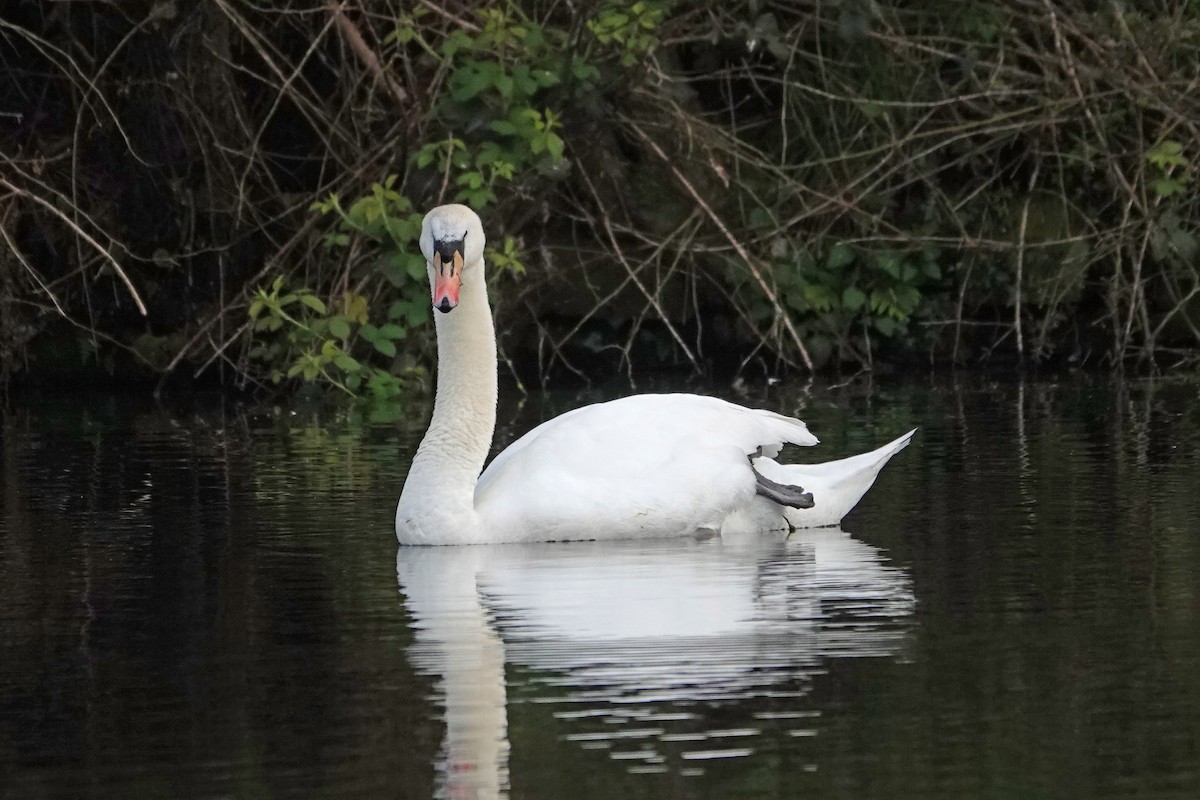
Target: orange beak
column 447, row 280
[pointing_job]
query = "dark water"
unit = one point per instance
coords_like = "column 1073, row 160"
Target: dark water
column 201, row 601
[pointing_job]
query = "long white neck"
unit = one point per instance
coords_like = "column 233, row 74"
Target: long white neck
column 437, row 505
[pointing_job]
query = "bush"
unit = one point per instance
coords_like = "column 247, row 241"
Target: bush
column 806, row 185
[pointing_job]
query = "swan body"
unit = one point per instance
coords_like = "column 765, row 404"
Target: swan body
column 642, row 466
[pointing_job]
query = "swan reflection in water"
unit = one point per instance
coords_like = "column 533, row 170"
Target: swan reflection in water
column 634, row 632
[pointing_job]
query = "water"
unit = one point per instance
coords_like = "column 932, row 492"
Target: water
column 205, row 601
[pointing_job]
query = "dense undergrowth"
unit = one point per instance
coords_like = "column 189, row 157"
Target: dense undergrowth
column 234, row 190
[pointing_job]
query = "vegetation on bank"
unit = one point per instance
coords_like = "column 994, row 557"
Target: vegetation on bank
column 236, row 189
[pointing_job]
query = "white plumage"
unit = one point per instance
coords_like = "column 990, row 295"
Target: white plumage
column 642, row 466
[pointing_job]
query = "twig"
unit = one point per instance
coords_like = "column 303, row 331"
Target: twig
column 12, row 248
column 780, row 312
column 217, row 353
column 651, row 298
column 446, row 173
column 1021, row 260
column 363, row 51
column 85, row 236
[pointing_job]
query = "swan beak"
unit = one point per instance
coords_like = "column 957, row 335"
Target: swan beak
column 447, row 274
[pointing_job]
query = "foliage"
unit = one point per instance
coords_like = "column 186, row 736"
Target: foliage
column 838, row 184
column 498, row 80
column 295, row 328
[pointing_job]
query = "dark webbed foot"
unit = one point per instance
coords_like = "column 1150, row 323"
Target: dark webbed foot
column 782, row 493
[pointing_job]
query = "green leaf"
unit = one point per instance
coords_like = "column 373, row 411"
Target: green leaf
column 256, row 308
column 386, row 347
column 872, row 110
column 818, row 297
column 583, row 71
column 392, row 331
column 470, row 81
column 416, row 266
column 504, row 84
column 839, row 256
column 339, row 327
column 853, row 299
column 889, row 263
column 346, row 363
column 1165, row 187
column 1167, row 154
column 313, row 302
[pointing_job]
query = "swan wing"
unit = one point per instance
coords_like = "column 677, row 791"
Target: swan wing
column 646, row 465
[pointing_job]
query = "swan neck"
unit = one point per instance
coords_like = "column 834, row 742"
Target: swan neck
column 439, row 492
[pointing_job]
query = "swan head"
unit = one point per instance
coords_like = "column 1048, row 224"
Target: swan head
column 452, row 243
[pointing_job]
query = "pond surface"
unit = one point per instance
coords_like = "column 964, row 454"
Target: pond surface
column 198, row 600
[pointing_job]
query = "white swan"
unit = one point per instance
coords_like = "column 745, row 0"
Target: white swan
column 642, row 466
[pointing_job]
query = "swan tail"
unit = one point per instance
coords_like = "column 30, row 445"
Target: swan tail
column 836, row 486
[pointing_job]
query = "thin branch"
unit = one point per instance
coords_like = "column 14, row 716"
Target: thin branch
column 87, row 237
column 767, row 291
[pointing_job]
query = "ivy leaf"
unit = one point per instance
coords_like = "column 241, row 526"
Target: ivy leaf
column 385, row 346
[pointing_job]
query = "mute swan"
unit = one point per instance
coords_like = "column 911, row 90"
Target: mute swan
column 642, row 466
